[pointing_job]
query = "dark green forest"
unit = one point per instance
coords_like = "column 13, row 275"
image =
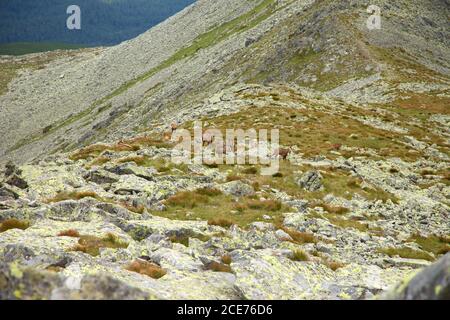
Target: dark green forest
column 103, row 22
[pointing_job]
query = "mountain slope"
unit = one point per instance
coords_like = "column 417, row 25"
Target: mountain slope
column 293, row 41
column 94, row 201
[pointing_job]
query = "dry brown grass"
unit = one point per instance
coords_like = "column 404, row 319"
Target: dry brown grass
column 424, row 102
column 73, row 195
column 69, row 233
column 426, row 172
column 9, row 224
column 99, row 161
column 187, row 199
column 221, row 222
column 146, row 268
column 256, row 185
column 210, row 192
column 332, row 264
column 218, row 267
column 97, row 149
column 299, row 255
column 139, row 160
column 250, row 170
column 334, row 209
column 226, row 259
column 233, row 177
column 268, row 205
column 140, row 209
column 147, row 141
column 91, row 244
column 407, row 253
column 300, row 237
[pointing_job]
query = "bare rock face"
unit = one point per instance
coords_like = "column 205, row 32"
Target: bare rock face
column 432, row 283
column 237, row 188
column 311, row 181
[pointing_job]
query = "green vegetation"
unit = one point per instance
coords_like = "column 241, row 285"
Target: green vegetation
column 219, row 209
column 435, row 244
column 299, row 255
column 407, row 253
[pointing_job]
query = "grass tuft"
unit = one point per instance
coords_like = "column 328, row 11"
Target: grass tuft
column 233, row 177
column 146, row 268
column 221, row 222
column 406, row 253
column 299, row 255
column 73, row 195
column 91, row 244
column 250, row 170
column 332, row 264
column 218, row 267
column 210, row 192
column 187, row 199
column 334, row 209
column 268, row 205
column 69, row 233
column 435, row 244
column 139, row 209
column 300, row 237
column 14, row 224
column 226, row 259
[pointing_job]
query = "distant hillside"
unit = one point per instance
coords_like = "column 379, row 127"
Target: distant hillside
column 20, row 48
column 104, row 22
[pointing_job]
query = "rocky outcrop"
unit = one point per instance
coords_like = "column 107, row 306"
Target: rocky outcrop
column 360, row 203
column 310, row 181
column 432, row 283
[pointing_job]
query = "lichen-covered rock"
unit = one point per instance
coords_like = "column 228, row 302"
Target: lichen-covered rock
column 264, row 274
column 311, row 181
column 237, row 188
column 432, row 283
